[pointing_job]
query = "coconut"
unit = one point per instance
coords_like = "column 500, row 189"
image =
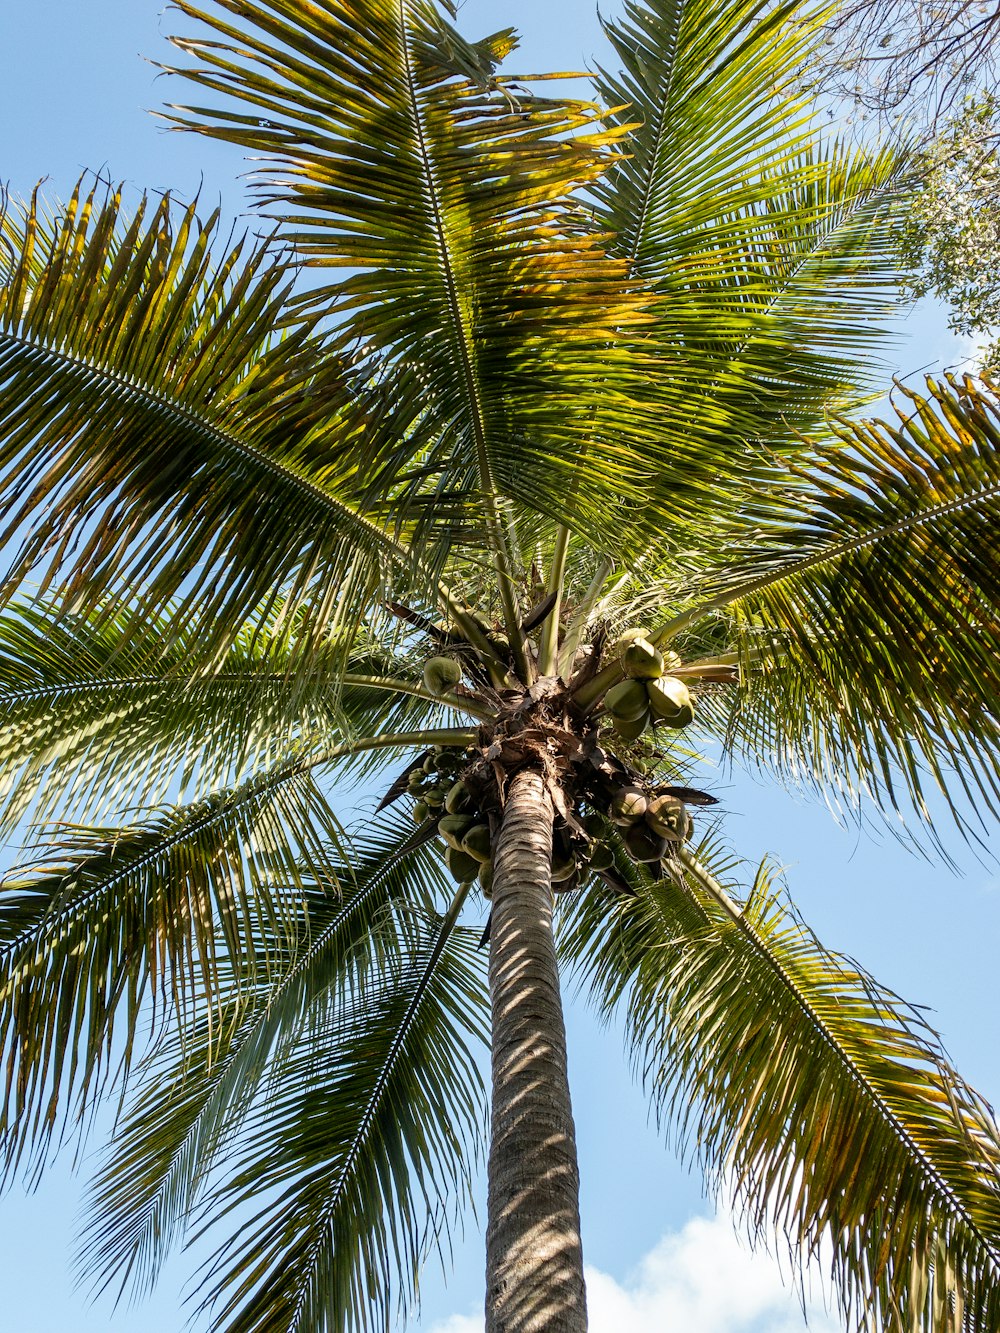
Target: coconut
column 601, row 856
column 453, row 829
column 629, row 636
column 563, row 868
column 478, row 842
column 642, row 661
column 626, row 700
column 628, row 805
column 415, row 781
column 457, row 800
column 434, row 797
column 419, row 811
column 464, row 868
column 644, row 844
column 670, row 701
column 669, row 817
column 486, row 878
column 630, row 731
column 441, row 674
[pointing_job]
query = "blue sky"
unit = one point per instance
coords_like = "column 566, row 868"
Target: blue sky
column 73, row 96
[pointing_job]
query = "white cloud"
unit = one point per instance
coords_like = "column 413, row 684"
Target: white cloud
column 700, row 1278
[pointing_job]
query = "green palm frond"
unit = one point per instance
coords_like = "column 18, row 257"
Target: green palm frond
column 866, row 604
column 709, row 126
column 819, row 1099
column 100, row 711
column 148, row 404
column 116, row 924
column 362, row 1143
column 194, row 1090
column 448, row 199
column 774, row 254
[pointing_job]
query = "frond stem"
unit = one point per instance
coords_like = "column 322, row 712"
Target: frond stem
column 548, row 646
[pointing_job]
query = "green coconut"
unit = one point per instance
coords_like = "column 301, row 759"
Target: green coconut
column 563, row 868
column 642, row 661
column 601, row 856
column 669, row 817
column 420, row 811
column 486, row 878
column 626, row 638
column 594, row 825
column 453, row 829
column 670, row 701
column 568, row 885
column 442, row 674
column 626, row 700
column 415, row 781
column 478, row 842
column 644, row 843
column 628, row 805
column 457, row 800
column 464, row 868
column 434, row 797
column 630, row 731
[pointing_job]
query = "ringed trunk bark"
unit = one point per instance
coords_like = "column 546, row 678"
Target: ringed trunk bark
column 534, row 1258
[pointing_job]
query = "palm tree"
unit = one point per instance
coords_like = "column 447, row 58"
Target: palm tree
column 516, row 458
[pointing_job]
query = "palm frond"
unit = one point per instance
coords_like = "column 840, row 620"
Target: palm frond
column 362, row 1144
column 866, row 605
column 773, row 253
column 823, row 1102
column 148, row 403
column 120, row 926
column 103, row 710
column 394, row 151
column 194, row 1090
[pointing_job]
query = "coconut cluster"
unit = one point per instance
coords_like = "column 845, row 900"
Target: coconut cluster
column 650, row 820
column 441, row 795
column 650, row 695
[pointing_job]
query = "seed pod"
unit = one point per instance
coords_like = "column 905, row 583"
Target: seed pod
column 627, row 700
column 670, row 701
column 630, row 731
column 419, row 811
column 486, row 878
column 669, row 817
column 478, row 842
column 644, row 844
column 642, row 661
column 567, row 885
column 464, row 868
column 562, row 868
column 453, row 829
column 457, row 800
column 629, row 636
column 441, row 674
column 628, row 805
column 601, row 856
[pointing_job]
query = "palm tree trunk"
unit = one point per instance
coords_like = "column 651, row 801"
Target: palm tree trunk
column 534, row 1259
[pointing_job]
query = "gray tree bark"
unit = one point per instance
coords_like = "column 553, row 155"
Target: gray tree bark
column 534, row 1258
